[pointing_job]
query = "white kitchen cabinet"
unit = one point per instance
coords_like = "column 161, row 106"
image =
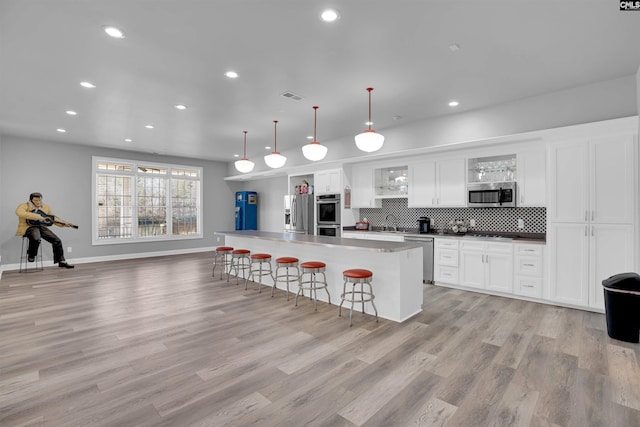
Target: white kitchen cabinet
column 486, row 265
column 531, row 177
column 437, row 183
column 593, row 181
column 328, row 182
column 445, row 260
column 362, row 188
column 528, row 270
column 592, row 224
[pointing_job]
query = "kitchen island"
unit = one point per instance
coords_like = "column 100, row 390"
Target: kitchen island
column 396, row 267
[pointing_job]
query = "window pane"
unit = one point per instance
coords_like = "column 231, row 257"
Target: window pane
column 185, row 205
column 152, row 206
column 114, row 217
column 114, row 167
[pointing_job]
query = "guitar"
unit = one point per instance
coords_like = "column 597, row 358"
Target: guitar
column 49, row 220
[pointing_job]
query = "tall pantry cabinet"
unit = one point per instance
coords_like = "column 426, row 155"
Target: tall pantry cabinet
column 592, row 218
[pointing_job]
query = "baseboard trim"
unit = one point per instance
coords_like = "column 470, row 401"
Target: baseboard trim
column 49, row 263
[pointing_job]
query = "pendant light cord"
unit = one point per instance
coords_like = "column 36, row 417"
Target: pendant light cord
column 245, row 144
column 275, row 143
column 369, row 89
column 315, row 121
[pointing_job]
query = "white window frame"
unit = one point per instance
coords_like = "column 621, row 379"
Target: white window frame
column 134, row 191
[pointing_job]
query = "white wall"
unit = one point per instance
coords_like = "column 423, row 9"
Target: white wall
column 271, row 193
column 583, row 104
column 62, row 172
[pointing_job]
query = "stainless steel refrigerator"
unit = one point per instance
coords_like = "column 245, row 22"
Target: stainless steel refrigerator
column 299, row 213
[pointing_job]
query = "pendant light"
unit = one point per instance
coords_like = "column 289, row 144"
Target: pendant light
column 244, row 165
column 314, row 151
column 275, row 159
column 369, row 140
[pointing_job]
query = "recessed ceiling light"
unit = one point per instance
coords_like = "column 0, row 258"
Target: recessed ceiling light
column 149, row 126
column 368, row 123
column 310, row 137
column 330, row 15
column 267, row 148
column 454, row 47
column 128, row 140
column 181, row 107
column 88, row 85
column 71, row 113
column 453, row 103
column 231, row 74
column 236, row 155
column 114, row 32
column 61, row 130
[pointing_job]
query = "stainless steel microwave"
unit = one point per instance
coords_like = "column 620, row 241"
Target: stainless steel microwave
column 491, row 195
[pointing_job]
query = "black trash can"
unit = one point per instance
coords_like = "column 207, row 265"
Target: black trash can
column 622, row 306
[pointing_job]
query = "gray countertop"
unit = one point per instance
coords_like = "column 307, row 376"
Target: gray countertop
column 535, row 238
column 369, row 245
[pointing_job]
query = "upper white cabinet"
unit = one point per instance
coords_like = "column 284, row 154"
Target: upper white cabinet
column 532, row 173
column 437, row 183
column 329, row 181
column 391, row 182
column 362, row 187
column 593, row 181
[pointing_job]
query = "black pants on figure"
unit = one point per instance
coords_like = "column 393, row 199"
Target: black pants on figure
column 35, row 234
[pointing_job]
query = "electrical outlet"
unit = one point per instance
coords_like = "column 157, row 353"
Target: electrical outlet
column 472, row 223
column 218, row 239
column 69, row 249
column 520, row 223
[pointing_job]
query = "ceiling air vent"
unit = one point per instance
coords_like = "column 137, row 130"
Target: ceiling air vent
column 291, row 95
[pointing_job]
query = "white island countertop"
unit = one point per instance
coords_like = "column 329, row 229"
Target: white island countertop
column 397, row 267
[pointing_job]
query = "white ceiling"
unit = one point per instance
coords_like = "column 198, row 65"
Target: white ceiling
column 177, row 52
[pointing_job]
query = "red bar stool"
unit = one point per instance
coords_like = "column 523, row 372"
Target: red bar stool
column 258, row 267
column 357, row 276
column 313, row 268
column 222, row 257
column 285, row 263
column 239, row 261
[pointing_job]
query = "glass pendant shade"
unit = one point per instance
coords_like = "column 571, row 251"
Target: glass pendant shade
column 314, row 151
column 275, row 159
column 244, row 165
column 369, row 140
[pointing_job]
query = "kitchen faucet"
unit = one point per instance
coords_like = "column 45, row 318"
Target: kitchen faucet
column 395, row 221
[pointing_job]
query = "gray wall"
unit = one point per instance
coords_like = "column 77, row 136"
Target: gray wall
column 271, row 193
column 62, row 172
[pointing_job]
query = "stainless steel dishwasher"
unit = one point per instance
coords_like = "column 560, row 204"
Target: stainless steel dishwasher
column 427, row 255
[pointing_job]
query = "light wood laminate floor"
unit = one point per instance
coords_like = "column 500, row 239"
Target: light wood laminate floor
column 158, row 342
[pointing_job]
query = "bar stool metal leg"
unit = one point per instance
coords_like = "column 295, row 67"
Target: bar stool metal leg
column 357, row 277
column 24, row 258
column 312, row 284
column 222, row 258
column 261, row 260
column 239, row 261
column 286, row 263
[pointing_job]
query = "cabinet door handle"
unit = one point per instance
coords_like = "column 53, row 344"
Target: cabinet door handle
column 527, row 286
column 586, row 215
column 592, row 231
column 586, row 231
column 528, row 265
column 593, row 215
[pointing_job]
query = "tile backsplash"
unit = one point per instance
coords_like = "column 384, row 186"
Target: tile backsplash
column 487, row 219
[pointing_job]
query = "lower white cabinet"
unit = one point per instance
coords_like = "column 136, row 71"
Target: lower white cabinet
column 445, row 260
column 528, row 270
column 583, row 255
column 486, row 265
